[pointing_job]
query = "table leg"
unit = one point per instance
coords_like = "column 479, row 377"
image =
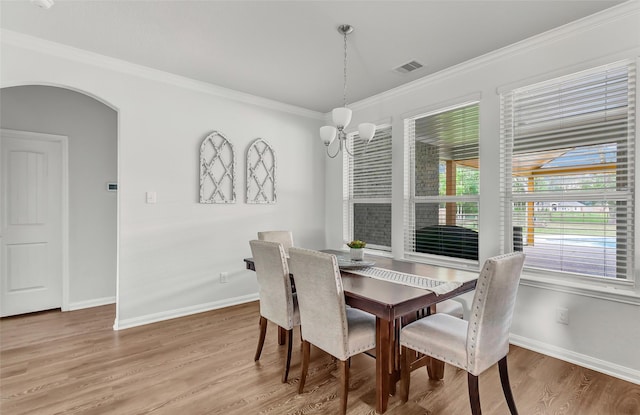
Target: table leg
column 282, row 335
column 383, row 363
column 394, row 359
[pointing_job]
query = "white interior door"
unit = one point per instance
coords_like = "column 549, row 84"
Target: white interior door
column 31, row 224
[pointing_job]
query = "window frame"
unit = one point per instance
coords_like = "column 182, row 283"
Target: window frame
column 349, row 200
column 410, row 199
column 619, row 289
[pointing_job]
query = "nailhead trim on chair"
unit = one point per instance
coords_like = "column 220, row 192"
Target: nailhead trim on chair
column 474, row 324
column 420, row 349
column 362, row 349
column 480, row 300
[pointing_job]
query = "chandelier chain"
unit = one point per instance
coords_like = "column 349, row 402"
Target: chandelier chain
column 344, row 90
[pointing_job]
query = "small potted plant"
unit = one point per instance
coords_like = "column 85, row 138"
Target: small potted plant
column 357, row 249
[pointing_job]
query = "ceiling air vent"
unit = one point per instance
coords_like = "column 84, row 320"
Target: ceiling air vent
column 408, row 67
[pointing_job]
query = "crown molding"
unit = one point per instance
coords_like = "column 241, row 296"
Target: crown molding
column 24, row 41
column 606, row 16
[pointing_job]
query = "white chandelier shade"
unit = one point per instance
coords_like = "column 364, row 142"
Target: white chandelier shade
column 366, row 130
column 341, row 117
column 328, row 134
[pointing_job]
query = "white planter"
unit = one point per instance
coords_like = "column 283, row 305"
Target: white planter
column 357, row 254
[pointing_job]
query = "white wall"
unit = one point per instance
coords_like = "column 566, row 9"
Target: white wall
column 603, row 332
column 171, row 253
column 91, row 127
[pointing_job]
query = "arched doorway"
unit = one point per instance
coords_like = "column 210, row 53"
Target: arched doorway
column 91, row 128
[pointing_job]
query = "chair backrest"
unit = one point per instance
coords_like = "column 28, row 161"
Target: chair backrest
column 276, row 299
column 323, row 317
column 284, row 237
column 492, row 311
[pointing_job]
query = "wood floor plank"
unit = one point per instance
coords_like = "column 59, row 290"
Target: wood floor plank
column 74, row 363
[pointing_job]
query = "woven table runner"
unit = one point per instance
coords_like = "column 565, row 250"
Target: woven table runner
column 417, row 281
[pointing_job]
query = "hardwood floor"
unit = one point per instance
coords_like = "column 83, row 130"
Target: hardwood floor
column 74, row 363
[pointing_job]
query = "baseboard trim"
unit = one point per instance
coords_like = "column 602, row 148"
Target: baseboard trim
column 182, row 312
column 79, row 305
column 599, row 365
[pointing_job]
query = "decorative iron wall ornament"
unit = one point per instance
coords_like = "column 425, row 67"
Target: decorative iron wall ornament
column 217, row 170
column 261, row 173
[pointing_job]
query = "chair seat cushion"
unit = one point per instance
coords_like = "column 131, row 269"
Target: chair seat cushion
column 439, row 335
column 451, row 307
column 362, row 331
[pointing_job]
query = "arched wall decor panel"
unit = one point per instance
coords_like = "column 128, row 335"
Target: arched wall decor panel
column 217, row 170
column 261, row 173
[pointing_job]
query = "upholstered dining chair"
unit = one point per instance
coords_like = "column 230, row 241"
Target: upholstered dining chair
column 284, row 237
column 435, row 367
column 277, row 303
column 326, row 322
column 477, row 344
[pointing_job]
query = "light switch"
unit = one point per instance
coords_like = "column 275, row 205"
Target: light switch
column 151, row 197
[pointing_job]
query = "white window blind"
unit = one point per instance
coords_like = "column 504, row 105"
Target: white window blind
column 367, row 190
column 567, row 157
column 442, row 193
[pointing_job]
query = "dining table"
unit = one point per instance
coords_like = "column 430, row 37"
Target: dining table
column 395, row 304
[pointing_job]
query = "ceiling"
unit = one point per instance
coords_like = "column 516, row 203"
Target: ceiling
column 290, row 51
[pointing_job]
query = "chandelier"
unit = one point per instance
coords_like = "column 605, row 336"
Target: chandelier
column 341, row 116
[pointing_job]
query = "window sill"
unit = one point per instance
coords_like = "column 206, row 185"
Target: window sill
column 622, row 292
column 378, row 252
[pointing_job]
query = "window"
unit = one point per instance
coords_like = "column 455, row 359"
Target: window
column 568, row 171
column 367, row 190
column 442, row 194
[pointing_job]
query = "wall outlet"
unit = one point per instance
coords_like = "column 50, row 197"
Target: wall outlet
column 152, row 197
column 562, row 315
column 224, row 277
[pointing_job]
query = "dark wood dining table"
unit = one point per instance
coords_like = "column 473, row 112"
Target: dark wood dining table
column 394, row 304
